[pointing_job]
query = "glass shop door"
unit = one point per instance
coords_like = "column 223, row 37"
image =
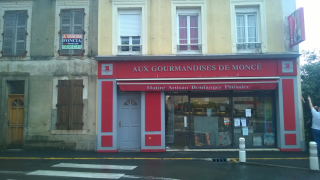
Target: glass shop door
column 210, row 122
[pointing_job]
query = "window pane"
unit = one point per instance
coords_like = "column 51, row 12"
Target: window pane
column 240, row 35
column 240, row 20
column 183, row 33
column 252, row 34
column 261, row 124
column 210, row 122
column 124, row 41
column 194, row 47
column 240, row 29
column 136, row 40
column 193, row 33
column 182, row 21
column 252, row 20
column 16, row 87
column 193, row 21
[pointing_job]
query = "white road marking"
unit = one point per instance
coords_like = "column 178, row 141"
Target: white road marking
column 13, row 172
column 76, row 174
column 147, row 177
column 94, row 166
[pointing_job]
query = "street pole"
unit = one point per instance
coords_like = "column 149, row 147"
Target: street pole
column 242, row 151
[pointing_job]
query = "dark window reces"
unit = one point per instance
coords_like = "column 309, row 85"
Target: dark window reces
column 14, row 33
column 16, row 87
column 71, row 22
column 70, row 105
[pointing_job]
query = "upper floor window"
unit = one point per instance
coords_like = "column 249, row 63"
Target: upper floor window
column 129, row 32
column 14, row 33
column 72, row 23
column 247, row 27
column 188, row 30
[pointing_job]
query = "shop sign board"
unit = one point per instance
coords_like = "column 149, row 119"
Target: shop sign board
column 287, row 67
column 197, row 87
column 72, row 41
column 107, row 69
column 189, row 69
column 296, row 27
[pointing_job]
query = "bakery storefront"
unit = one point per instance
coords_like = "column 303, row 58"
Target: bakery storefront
column 176, row 103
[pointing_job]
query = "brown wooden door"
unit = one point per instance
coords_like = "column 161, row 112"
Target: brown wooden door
column 15, row 119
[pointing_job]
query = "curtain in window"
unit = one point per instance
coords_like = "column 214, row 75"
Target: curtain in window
column 194, row 32
column 183, row 32
column 240, row 29
column 252, row 36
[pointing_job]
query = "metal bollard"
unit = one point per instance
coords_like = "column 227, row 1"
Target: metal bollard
column 242, row 151
column 313, row 159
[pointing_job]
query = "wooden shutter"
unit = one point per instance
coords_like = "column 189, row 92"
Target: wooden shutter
column 76, row 105
column 63, row 105
column 65, row 25
column 9, row 33
column 78, row 28
column 21, row 33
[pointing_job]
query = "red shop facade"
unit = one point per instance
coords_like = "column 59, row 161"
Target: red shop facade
column 162, row 103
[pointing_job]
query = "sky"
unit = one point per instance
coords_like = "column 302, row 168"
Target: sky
column 312, row 23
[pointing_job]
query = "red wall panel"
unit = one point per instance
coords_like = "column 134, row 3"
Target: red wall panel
column 153, row 139
column 106, row 106
column 106, row 141
column 290, row 139
column 153, row 111
column 288, row 105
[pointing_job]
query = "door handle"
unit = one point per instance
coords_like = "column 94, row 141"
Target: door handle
column 119, row 123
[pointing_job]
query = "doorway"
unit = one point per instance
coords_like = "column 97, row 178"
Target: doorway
column 15, row 114
column 129, row 122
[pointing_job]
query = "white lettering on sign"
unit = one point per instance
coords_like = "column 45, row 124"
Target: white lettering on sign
column 242, row 67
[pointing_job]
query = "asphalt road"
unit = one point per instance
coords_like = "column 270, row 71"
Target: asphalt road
column 147, row 169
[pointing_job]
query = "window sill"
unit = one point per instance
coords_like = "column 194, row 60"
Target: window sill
column 69, row 132
column 188, row 52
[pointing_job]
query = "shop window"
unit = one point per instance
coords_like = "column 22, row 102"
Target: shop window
column 247, row 29
column 72, row 23
column 254, row 119
column 14, row 33
column 70, row 105
column 130, row 32
column 188, row 30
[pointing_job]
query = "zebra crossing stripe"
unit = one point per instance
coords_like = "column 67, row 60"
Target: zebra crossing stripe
column 76, row 174
column 94, row 166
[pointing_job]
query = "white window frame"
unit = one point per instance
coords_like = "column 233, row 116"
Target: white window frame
column 71, row 4
column 130, row 52
column 189, row 12
column 250, row 6
column 17, row 6
column 177, row 5
column 121, row 5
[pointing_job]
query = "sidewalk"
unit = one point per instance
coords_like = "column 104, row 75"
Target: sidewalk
column 267, row 158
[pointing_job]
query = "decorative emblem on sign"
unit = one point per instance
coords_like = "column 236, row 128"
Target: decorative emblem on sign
column 287, row 67
column 106, row 69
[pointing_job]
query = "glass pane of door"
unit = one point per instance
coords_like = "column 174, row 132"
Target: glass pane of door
column 210, row 122
column 176, row 122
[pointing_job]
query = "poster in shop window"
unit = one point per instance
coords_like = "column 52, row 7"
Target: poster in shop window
column 72, row 41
